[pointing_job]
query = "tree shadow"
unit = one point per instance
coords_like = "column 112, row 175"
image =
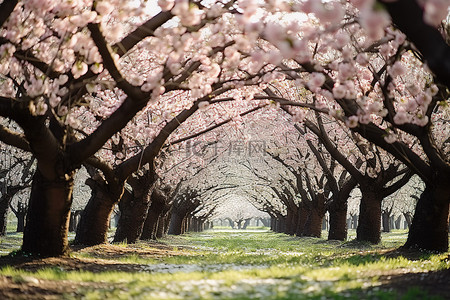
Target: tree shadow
column 434, row 282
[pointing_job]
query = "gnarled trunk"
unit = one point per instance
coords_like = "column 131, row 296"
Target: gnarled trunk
column 94, row 223
column 21, row 221
column 386, row 219
column 313, row 225
column 291, row 221
column 369, row 223
column 338, row 223
column 4, row 208
column 176, row 223
column 429, row 227
column 133, row 210
column 303, row 212
column 150, row 225
column 156, row 210
column 48, row 216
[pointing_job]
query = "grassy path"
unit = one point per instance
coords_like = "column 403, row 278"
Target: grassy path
column 235, row 265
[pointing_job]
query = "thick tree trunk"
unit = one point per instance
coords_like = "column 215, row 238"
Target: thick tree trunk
column 21, row 221
column 429, row 228
column 408, row 218
column 150, row 225
column 369, row 223
column 397, row 222
column 160, row 227
column 386, row 220
column 95, row 218
column 303, row 212
column 156, row 209
column 4, row 208
column 282, row 224
column 133, row 210
column 176, row 224
column 313, row 226
column 247, row 221
column 291, row 221
column 338, row 223
column 48, row 216
column 74, row 220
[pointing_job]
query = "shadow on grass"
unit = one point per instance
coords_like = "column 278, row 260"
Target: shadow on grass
column 435, row 283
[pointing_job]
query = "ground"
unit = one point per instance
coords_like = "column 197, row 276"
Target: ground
column 253, row 264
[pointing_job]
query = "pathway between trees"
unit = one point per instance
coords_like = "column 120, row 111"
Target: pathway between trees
column 229, row 264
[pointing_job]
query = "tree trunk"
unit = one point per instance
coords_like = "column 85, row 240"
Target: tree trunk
column 133, row 210
column 4, row 208
column 48, row 214
column 95, row 218
column 369, row 223
column 156, row 209
column 429, row 227
column 291, row 221
column 354, row 221
column 313, row 226
column 338, row 223
column 282, row 224
column 303, row 212
column 247, row 221
column 150, row 225
column 386, row 218
column 160, row 226
column 397, row 222
column 21, row 221
column 408, row 218
column 176, row 224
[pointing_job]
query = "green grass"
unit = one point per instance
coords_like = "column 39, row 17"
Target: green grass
column 252, row 265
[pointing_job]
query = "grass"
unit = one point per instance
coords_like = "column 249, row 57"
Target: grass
column 251, row 265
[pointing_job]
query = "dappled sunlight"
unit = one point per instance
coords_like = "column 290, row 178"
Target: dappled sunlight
column 239, row 264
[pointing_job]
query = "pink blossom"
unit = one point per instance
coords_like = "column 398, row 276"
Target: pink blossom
column 435, row 11
column 362, row 4
column 79, row 68
column 390, row 138
column 166, row 4
column 339, row 91
column 401, row 117
column 413, row 89
column 203, row 104
column 352, row 121
column 362, row 59
column 298, row 116
column 374, row 23
column 341, row 39
column 104, row 7
column 397, row 69
column 316, row 81
column 420, row 120
column 346, row 71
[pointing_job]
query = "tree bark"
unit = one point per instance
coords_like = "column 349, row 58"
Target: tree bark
column 48, row 216
column 369, row 223
column 21, row 221
column 150, row 225
column 94, row 223
column 156, row 209
column 338, row 223
column 303, row 212
column 291, row 221
column 313, row 225
column 429, row 227
column 386, row 218
column 133, row 210
column 4, row 208
column 408, row 218
column 176, row 224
